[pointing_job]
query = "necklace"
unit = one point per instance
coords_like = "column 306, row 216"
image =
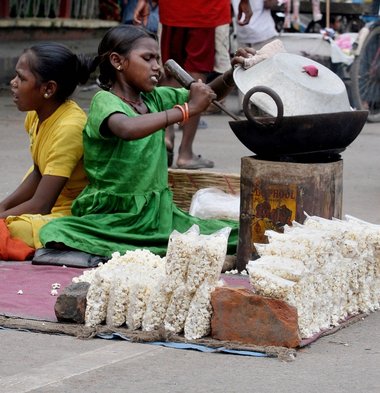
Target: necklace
column 137, row 105
column 132, row 102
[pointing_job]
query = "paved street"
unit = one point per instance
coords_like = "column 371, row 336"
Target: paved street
column 347, row 361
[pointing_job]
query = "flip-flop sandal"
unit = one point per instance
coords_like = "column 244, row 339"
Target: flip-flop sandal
column 197, row 162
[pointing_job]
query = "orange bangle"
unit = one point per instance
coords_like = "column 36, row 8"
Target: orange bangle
column 186, row 111
column 183, row 113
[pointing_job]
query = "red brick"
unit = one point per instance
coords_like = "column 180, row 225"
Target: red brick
column 239, row 315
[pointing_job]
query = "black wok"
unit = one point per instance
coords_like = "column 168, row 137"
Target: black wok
column 323, row 134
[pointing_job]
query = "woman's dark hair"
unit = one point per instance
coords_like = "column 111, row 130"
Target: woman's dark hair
column 120, row 39
column 54, row 61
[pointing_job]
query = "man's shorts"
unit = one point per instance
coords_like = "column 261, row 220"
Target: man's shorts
column 192, row 48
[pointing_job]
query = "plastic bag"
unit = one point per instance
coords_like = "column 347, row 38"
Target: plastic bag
column 192, row 260
column 207, row 261
column 214, row 203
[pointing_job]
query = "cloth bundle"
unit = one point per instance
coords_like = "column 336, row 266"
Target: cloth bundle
column 267, row 51
column 12, row 249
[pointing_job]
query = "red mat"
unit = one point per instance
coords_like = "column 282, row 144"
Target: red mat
column 35, row 282
column 37, row 303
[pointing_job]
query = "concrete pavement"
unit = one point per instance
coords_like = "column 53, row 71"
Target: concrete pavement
column 346, row 361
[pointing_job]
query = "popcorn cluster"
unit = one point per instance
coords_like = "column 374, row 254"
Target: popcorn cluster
column 142, row 290
column 120, row 288
column 203, row 257
column 327, row 269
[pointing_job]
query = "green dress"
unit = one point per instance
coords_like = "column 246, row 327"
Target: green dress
column 128, row 204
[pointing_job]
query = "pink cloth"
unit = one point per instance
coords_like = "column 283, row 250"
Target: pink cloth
column 236, row 280
column 35, row 281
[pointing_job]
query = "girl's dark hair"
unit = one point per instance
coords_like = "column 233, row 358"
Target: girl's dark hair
column 120, row 39
column 54, row 61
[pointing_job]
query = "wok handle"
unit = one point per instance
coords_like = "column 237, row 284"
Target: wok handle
column 276, row 98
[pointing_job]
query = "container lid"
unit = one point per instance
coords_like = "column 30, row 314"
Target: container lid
column 301, row 93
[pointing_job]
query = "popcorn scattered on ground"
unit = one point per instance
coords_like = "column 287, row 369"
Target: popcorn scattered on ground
column 233, row 271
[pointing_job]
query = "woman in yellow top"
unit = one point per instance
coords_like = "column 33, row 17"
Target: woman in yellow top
column 46, row 76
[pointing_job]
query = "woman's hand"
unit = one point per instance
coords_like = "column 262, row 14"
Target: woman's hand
column 241, row 54
column 35, row 195
column 201, row 96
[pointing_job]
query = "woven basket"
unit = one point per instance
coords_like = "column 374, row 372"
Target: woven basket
column 185, row 183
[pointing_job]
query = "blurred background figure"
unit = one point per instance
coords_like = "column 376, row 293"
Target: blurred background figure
column 151, row 21
column 222, row 61
column 259, row 31
column 261, row 28
column 292, row 13
column 188, row 37
column 110, row 9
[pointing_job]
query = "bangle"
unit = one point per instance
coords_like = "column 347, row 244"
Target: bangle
column 167, row 119
column 187, row 114
column 226, row 83
column 182, row 111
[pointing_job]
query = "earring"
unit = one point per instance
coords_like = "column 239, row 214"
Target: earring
column 119, row 67
column 46, row 95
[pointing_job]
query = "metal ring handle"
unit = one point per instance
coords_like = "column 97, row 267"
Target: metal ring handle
column 275, row 97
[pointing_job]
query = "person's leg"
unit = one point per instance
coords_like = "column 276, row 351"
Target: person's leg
column 170, row 44
column 191, row 50
column 222, row 49
column 189, row 129
column 222, row 59
column 169, row 142
column 186, row 157
column 168, row 35
column 200, row 58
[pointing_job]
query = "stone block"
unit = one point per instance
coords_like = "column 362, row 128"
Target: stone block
column 240, row 315
column 71, row 303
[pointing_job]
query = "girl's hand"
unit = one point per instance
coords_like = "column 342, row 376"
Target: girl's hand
column 241, row 54
column 201, row 96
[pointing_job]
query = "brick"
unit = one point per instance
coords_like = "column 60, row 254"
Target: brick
column 239, row 315
column 71, row 303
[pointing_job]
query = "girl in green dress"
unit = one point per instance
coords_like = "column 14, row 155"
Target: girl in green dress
column 128, row 204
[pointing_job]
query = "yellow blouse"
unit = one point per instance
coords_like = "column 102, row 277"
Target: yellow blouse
column 57, row 150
